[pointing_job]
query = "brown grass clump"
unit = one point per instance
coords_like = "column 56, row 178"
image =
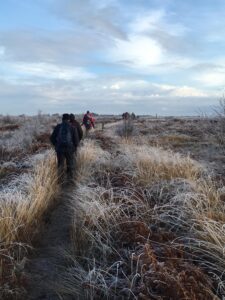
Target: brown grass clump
column 175, row 140
column 9, row 127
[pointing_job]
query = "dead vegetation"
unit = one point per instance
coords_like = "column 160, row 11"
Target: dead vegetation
column 23, row 204
column 147, row 219
column 145, row 222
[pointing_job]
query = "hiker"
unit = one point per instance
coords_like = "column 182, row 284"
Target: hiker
column 125, row 116
column 74, row 123
column 133, row 116
column 65, row 140
column 87, row 122
column 92, row 119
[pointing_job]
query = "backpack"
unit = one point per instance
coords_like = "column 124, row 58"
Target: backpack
column 64, row 138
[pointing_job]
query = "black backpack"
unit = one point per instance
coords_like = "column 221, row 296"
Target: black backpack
column 64, row 138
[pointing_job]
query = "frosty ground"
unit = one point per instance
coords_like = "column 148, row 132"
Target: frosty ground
column 143, row 220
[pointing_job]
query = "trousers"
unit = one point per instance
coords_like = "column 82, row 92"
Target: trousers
column 69, row 157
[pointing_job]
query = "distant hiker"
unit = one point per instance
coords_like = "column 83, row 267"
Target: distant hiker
column 125, row 116
column 133, row 117
column 92, row 119
column 88, row 121
column 65, row 140
column 74, row 123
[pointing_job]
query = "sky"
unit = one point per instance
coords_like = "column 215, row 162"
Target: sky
column 162, row 57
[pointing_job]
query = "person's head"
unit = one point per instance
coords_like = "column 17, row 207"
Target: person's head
column 88, row 112
column 65, row 117
column 72, row 117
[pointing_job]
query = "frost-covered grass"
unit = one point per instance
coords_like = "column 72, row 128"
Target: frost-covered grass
column 22, row 138
column 146, row 164
column 23, row 203
column 148, row 224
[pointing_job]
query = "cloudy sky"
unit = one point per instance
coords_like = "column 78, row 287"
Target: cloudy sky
column 109, row 56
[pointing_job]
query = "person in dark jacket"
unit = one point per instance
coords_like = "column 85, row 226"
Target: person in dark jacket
column 65, row 140
column 87, row 122
column 74, row 123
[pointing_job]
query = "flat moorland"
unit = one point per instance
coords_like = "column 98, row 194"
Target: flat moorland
column 144, row 218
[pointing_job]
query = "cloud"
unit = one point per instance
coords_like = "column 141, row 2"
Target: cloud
column 170, row 35
column 102, row 17
column 109, row 95
column 63, row 46
column 109, row 55
column 210, row 74
column 212, row 79
column 138, row 51
column 186, row 91
column 2, row 51
column 49, row 71
column 157, row 19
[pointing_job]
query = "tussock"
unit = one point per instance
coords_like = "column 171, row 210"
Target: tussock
column 147, row 164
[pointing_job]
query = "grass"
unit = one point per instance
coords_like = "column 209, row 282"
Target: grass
column 147, row 164
column 22, row 207
column 145, row 222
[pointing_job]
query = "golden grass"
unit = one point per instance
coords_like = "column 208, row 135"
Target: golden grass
column 149, row 164
column 117, row 253
column 21, row 213
column 87, row 156
column 176, row 139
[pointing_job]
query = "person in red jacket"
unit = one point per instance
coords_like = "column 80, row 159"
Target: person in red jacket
column 92, row 119
column 88, row 121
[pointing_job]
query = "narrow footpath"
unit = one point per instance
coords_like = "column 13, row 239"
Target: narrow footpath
column 45, row 265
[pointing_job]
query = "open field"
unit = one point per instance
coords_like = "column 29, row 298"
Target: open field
column 144, row 218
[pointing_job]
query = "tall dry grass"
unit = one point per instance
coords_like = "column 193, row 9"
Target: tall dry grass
column 147, row 224
column 148, row 164
column 22, row 206
column 90, row 157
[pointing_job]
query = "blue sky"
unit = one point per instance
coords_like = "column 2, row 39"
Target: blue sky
column 148, row 56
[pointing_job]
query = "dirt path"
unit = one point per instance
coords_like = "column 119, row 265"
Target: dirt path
column 47, row 263
column 45, row 266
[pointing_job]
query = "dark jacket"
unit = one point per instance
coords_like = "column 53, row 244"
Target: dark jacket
column 76, row 125
column 87, row 121
column 74, row 135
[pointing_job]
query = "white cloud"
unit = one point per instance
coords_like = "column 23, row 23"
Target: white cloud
column 211, row 79
column 147, row 22
column 73, row 65
column 46, row 71
column 134, row 88
column 139, row 52
column 186, row 91
column 103, row 95
column 156, row 19
column 99, row 16
column 2, row 51
column 115, row 86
